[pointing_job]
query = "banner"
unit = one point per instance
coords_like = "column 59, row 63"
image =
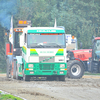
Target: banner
column 11, row 31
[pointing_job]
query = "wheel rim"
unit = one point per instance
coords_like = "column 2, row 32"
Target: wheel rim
column 75, row 70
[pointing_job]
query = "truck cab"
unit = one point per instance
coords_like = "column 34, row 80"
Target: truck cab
column 14, row 49
column 43, row 53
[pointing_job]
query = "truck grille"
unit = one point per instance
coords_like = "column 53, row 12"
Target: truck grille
column 47, row 59
column 46, row 66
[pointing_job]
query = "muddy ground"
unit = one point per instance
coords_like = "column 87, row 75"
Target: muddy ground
column 87, row 88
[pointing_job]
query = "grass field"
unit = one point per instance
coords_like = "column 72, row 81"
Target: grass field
column 88, row 73
column 4, row 96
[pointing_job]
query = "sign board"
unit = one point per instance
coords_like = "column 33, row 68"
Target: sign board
column 68, row 38
column 24, row 23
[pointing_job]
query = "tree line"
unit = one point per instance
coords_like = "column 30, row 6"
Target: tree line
column 80, row 18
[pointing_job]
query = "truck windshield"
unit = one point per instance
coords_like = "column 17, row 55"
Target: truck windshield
column 96, row 50
column 45, row 41
column 16, row 39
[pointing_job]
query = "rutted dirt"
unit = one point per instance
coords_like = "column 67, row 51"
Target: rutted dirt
column 87, row 88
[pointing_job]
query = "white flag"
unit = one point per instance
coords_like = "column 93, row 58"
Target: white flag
column 11, row 31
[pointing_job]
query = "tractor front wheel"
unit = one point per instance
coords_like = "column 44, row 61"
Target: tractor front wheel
column 75, row 69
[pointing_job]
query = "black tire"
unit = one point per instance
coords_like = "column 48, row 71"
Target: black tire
column 62, row 78
column 7, row 69
column 25, row 77
column 75, row 69
column 7, row 74
column 17, row 77
column 14, row 70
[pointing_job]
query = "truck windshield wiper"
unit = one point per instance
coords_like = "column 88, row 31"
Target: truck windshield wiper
column 40, row 46
column 57, row 46
column 47, row 46
column 32, row 46
column 37, row 46
column 44, row 46
column 54, row 45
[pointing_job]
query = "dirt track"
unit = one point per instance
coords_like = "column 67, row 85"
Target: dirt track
column 87, row 88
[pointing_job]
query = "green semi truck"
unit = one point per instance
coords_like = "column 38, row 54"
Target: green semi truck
column 43, row 54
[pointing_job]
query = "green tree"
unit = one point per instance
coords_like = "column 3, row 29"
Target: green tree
column 2, row 50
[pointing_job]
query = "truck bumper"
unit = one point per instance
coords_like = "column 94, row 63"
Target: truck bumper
column 46, row 69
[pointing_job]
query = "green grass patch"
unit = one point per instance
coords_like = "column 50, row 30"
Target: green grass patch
column 88, row 73
column 9, row 97
column 2, row 73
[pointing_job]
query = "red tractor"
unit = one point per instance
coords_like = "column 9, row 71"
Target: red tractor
column 77, row 61
column 84, row 59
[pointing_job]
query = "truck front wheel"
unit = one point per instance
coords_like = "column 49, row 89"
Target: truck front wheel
column 75, row 69
column 25, row 77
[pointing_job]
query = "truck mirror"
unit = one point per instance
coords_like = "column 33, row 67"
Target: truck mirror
column 98, row 44
column 21, row 40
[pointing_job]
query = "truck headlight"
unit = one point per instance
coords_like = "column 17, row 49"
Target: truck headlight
column 61, row 72
column 14, row 50
column 62, row 65
column 30, row 65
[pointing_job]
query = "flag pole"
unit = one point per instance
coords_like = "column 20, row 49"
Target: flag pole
column 55, row 25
